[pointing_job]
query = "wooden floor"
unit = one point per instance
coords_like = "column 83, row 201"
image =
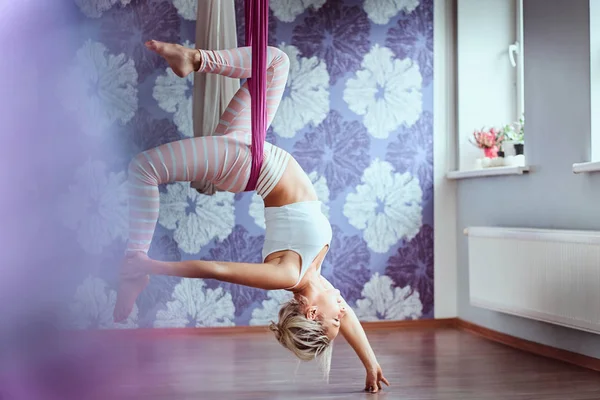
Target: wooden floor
column 419, row 363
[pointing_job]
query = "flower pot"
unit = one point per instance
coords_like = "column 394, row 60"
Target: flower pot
column 518, row 148
column 491, row 152
column 501, row 154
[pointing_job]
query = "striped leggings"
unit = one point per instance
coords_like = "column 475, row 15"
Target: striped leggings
column 223, row 159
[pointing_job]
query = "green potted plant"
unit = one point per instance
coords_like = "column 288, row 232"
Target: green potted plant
column 515, row 133
column 519, row 137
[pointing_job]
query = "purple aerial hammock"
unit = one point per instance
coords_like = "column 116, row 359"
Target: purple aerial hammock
column 257, row 32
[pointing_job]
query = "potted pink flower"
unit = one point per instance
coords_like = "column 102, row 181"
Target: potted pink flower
column 489, row 140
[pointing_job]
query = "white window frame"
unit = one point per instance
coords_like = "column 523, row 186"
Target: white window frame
column 520, row 62
column 593, row 165
column 514, row 105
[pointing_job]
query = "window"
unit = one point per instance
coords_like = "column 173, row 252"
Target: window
column 490, row 84
column 593, row 164
column 595, row 77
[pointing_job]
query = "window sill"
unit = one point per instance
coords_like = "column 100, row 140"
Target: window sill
column 491, row 171
column 593, row 166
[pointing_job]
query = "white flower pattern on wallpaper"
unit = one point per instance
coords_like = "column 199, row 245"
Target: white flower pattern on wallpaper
column 174, row 95
column 257, row 205
column 288, row 10
column 257, row 210
column 382, row 301
column 188, row 9
column 386, row 92
column 95, row 8
column 412, row 151
column 196, row 219
column 93, row 305
column 381, row 11
column 270, row 308
column 387, row 206
column 194, row 305
column 95, row 206
column 307, row 89
column 99, row 88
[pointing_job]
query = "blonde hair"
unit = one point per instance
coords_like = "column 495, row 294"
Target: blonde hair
column 305, row 338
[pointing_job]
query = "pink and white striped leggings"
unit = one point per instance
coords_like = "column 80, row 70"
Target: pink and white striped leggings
column 223, row 159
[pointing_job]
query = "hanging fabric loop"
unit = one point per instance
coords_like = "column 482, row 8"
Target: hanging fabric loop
column 213, row 92
column 257, row 30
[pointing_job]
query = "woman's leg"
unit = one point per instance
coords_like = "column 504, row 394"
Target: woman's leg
column 222, row 160
column 237, row 115
column 234, row 63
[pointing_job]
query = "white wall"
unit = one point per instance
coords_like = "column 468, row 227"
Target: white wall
column 445, row 271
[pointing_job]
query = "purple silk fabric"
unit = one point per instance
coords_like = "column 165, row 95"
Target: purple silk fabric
column 257, row 32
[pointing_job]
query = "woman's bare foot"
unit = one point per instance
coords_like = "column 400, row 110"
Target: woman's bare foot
column 134, row 278
column 182, row 60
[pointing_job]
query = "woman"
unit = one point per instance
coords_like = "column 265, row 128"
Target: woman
column 297, row 234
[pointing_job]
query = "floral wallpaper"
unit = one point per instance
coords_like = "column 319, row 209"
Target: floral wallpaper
column 356, row 114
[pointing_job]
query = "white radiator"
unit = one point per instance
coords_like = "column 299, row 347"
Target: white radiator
column 547, row 275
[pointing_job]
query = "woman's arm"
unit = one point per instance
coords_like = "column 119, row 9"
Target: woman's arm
column 354, row 333
column 268, row 276
column 356, row 337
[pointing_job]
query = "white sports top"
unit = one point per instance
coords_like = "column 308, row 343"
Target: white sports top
column 300, row 227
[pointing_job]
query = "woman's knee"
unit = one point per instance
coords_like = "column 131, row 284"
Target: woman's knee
column 279, row 56
column 141, row 170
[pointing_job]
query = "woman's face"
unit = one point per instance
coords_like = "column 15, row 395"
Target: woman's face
column 330, row 309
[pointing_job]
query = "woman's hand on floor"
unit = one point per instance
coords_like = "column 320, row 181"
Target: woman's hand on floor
column 374, row 379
